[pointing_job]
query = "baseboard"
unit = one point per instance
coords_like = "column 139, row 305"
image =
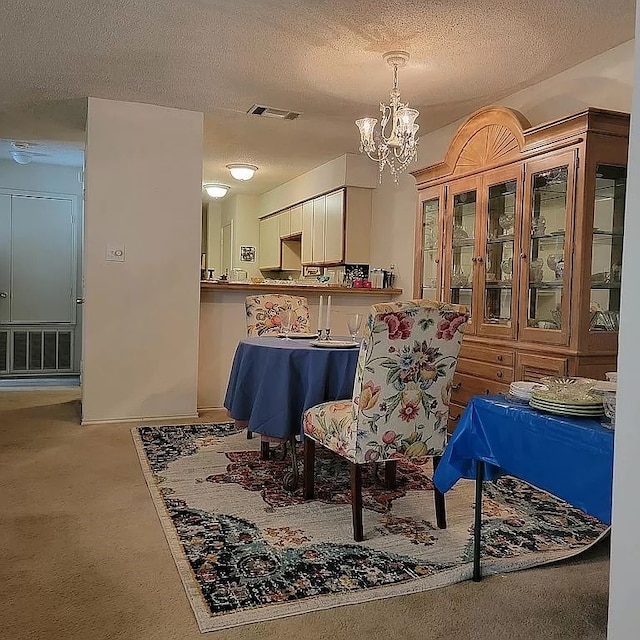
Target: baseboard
column 211, row 409
column 170, row 419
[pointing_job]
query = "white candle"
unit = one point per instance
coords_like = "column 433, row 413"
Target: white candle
column 329, row 313
column 320, row 314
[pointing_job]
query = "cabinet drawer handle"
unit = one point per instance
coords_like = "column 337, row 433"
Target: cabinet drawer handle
column 456, row 387
column 437, row 260
column 455, row 418
column 499, row 358
column 523, row 256
column 498, row 374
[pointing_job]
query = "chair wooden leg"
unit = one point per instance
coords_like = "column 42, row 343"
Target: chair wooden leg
column 438, row 496
column 264, row 450
column 390, row 470
column 356, row 501
column 249, row 434
column 309, row 464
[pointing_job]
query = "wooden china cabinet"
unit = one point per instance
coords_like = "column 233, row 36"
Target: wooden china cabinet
column 524, row 225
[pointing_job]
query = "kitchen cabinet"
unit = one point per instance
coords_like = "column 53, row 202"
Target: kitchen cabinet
column 284, row 223
column 340, row 226
column 333, row 228
column 295, row 223
column 269, row 255
column 307, row 232
column 319, row 220
column 524, row 226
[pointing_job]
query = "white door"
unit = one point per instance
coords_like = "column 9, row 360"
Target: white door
column 5, row 258
column 37, row 285
column 42, row 264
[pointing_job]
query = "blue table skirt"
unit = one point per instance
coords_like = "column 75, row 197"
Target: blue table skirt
column 274, row 381
column 571, row 458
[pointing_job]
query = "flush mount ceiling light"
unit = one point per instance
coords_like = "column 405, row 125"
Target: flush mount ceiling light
column 397, row 149
column 242, row 171
column 20, row 152
column 216, row 190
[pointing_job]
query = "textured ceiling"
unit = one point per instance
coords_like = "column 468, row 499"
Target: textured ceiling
column 319, row 57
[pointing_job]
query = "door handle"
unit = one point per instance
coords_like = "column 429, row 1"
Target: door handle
column 79, row 300
column 4, row 294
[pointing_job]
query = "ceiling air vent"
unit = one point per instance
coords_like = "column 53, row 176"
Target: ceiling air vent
column 270, row 112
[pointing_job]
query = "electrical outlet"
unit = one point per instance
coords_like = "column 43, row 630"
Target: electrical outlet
column 115, row 253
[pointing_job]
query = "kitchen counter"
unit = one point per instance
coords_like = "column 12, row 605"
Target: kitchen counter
column 295, row 289
column 223, row 323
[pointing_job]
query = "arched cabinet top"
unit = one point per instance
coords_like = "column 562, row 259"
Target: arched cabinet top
column 491, row 136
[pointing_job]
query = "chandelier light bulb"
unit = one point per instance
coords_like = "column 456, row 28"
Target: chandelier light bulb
column 394, row 145
column 216, row 190
column 242, row 171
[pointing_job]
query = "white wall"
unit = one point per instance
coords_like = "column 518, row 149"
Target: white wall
column 143, row 192
column 346, row 170
column 624, row 613
column 604, row 81
column 40, row 177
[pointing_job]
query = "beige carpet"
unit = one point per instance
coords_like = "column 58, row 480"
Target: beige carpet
column 83, row 556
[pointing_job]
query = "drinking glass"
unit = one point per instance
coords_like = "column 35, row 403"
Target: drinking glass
column 354, row 322
column 285, row 323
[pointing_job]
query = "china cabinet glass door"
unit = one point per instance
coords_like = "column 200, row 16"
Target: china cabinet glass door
column 547, row 249
column 431, row 241
column 462, row 209
column 499, row 263
column 606, row 247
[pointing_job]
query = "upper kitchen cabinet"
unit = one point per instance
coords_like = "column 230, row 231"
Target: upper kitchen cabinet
column 336, row 227
column 269, row 252
column 524, row 225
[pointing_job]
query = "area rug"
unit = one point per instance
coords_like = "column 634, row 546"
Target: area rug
column 249, row 551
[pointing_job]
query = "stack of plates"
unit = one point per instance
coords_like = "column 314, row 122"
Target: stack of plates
column 582, row 405
column 523, row 390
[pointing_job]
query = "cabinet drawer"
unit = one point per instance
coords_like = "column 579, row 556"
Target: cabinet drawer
column 455, row 413
column 465, row 387
column 493, row 372
column 532, row 367
column 487, row 354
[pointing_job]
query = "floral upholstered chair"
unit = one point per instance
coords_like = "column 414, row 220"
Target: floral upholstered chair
column 400, row 404
column 263, row 314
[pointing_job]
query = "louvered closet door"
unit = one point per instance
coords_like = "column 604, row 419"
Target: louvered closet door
column 42, row 260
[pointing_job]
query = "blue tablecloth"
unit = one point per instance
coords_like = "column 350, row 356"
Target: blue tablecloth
column 274, row 381
column 570, row 458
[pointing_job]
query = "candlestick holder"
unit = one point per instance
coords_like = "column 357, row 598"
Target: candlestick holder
column 324, row 334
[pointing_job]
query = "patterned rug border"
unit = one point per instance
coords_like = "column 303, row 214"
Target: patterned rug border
column 208, row 623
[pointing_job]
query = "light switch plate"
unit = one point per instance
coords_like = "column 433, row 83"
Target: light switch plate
column 115, row 253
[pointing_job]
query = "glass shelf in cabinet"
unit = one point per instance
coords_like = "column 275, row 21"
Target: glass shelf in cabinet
column 548, row 236
column 605, row 285
column 461, row 288
column 463, row 242
column 546, row 285
column 500, row 239
column 498, row 285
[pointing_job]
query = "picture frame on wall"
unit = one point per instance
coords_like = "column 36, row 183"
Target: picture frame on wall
column 310, row 271
column 247, row 253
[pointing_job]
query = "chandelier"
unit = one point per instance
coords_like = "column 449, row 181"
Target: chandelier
column 397, row 149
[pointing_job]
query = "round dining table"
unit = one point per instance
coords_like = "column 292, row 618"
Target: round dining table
column 274, row 380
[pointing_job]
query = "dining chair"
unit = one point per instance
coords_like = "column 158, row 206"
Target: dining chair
column 263, row 313
column 400, row 403
column 263, row 319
